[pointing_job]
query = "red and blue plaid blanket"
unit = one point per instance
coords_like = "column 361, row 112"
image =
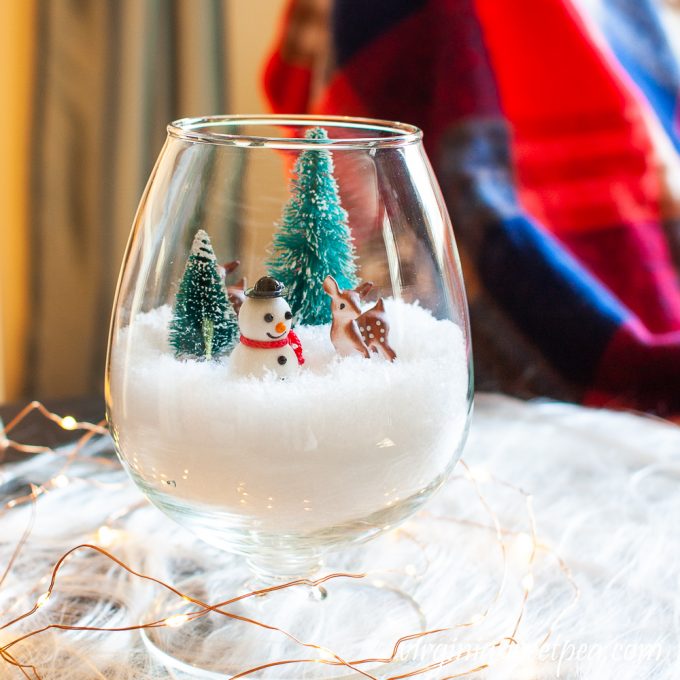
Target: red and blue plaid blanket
column 555, row 136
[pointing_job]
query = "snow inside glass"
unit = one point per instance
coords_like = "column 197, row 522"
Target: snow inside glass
column 289, row 357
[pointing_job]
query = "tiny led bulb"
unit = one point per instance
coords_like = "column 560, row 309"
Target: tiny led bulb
column 60, row 481
column 522, row 549
column 69, row 423
column 105, row 536
column 176, row 620
column 42, row 600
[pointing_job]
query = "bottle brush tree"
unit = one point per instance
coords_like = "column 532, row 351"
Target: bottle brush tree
column 313, row 238
column 204, row 324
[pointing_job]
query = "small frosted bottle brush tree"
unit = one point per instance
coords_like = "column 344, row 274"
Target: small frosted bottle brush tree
column 204, row 324
column 313, row 238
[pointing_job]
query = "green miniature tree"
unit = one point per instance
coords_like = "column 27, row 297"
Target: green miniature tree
column 204, row 323
column 313, row 239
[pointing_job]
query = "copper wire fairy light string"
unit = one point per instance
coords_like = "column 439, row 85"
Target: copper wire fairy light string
column 70, row 456
column 204, row 608
column 426, row 633
column 65, row 422
column 218, row 608
column 403, row 532
column 477, row 619
column 576, row 594
column 91, row 430
column 155, row 623
column 22, row 540
column 416, row 636
column 532, row 560
column 22, row 667
column 441, row 663
column 17, row 550
column 36, row 490
column 536, row 546
column 257, row 623
column 564, row 567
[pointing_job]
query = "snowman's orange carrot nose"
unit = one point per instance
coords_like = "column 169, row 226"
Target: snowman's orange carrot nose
column 280, row 327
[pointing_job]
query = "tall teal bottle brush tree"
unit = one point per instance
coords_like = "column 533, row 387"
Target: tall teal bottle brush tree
column 204, row 323
column 313, row 238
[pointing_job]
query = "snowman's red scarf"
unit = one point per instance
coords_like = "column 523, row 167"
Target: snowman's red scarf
column 291, row 339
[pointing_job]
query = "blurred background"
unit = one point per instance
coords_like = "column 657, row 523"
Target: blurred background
column 88, row 87
column 553, row 127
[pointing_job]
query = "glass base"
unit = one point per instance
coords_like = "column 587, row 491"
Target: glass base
column 340, row 618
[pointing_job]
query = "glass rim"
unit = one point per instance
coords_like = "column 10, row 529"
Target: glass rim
column 198, row 130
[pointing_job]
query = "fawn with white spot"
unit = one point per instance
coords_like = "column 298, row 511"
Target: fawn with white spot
column 352, row 331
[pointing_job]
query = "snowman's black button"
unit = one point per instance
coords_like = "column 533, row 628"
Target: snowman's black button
column 282, row 360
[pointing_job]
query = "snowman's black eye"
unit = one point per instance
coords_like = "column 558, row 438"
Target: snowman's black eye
column 288, row 315
column 342, row 305
column 269, row 318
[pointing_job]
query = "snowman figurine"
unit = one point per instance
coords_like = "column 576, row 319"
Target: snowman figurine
column 267, row 344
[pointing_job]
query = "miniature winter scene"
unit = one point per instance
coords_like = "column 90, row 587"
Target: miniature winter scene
column 321, row 400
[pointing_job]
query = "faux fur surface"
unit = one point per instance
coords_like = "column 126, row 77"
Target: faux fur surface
column 592, row 592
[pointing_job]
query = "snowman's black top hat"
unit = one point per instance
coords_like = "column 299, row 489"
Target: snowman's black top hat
column 267, row 287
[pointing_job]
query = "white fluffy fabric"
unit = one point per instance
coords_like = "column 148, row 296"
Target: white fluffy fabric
column 344, row 438
column 605, row 491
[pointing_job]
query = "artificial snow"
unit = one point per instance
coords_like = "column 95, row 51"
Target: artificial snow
column 343, row 439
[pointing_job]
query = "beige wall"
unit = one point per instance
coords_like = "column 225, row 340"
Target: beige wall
column 252, row 33
column 253, row 25
column 252, row 28
column 16, row 26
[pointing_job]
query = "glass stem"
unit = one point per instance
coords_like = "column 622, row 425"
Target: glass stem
column 272, row 569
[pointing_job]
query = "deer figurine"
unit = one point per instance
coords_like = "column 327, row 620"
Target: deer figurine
column 352, row 331
column 227, row 268
column 236, row 293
